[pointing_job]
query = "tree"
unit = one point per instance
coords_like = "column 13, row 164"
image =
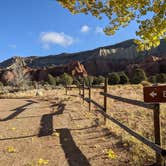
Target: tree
column 139, row 76
column 89, row 80
column 123, row 78
column 152, row 79
column 76, row 81
column 66, row 79
column 1, row 84
column 21, row 79
column 161, row 78
column 98, row 80
column 122, row 13
column 51, row 80
column 113, row 78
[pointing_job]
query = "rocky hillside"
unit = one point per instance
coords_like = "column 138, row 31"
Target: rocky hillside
column 99, row 61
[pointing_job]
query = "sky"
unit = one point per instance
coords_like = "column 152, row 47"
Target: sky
column 43, row 27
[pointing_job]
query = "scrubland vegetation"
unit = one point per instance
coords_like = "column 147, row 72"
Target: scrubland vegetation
column 137, row 118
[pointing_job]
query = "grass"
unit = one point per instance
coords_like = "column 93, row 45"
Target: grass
column 137, row 118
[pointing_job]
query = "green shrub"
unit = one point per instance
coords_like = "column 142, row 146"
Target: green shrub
column 51, row 80
column 58, row 80
column 113, row 78
column 66, row 79
column 152, row 79
column 80, row 79
column 88, row 80
column 98, row 80
column 123, row 78
column 139, row 76
column 161, row 78
column 1, row 84
column 76, row 81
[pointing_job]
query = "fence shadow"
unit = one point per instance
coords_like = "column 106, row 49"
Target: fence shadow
column 17, row 138
column 46, row 122
column 18, row 111
column 72, row 152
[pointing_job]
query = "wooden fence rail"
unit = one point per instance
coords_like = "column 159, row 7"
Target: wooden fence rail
column 156, row 146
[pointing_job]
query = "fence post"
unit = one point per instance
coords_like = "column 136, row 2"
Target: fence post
column 89, row 98
column 157, row 133
column 105, row 97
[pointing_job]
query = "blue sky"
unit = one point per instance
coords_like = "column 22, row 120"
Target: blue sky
column 43, row 27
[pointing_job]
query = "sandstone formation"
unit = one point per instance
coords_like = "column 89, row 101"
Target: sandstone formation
column 74, row 68
column 151, row 65
column 100, row 61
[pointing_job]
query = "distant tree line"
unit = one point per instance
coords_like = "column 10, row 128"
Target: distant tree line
column 114, row 78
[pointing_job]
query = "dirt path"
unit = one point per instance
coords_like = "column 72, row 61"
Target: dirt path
column 59, row 130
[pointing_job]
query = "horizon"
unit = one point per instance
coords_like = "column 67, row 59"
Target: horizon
column 49, row 29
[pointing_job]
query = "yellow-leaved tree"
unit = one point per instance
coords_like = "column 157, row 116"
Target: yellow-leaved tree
column 149, row 14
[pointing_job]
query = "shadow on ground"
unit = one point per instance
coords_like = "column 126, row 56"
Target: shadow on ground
column 46, row 122
column 18, row 110
column 73, row 154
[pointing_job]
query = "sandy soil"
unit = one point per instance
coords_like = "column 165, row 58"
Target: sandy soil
column 56, row 132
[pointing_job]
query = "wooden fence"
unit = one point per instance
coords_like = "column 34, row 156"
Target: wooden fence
column 156, row 146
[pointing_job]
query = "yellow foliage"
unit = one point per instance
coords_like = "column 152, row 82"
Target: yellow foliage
column 42, row 162
column 121, row 13
column 11, row 149
column 111, row 154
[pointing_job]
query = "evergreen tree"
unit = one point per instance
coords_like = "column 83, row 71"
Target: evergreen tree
column 139, row 76
column 123, row 78
column 161, row 78
column 113, row 78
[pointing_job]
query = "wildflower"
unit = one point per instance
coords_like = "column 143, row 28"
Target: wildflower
column 111, row 154
column 11, row 149
column 125, row 144
column 56, row 134
column 42, row 162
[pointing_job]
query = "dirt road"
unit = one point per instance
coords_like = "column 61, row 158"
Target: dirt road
column 55, row 132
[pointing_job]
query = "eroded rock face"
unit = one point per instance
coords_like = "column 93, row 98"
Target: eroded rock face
column 74, row 68
column 151, row 65
column 7, row 76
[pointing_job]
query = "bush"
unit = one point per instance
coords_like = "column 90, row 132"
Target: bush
column 51, row 80
column 66, row 79
column 152, row 79
column 98, row 80
column 76, row 81
column 113, row 78
column 1, row 84
column 80, row 79
column 58, row 80
column 139, row 76
column 123, row 78
column 161, row 78
column 89, row 80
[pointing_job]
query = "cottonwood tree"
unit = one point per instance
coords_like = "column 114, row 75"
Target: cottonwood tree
column 149, row 14
column 21, row 78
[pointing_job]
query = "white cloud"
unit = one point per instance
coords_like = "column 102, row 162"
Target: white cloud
column 99, row 30
column 12, row 46
column 85, row 29
column 49, row 38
